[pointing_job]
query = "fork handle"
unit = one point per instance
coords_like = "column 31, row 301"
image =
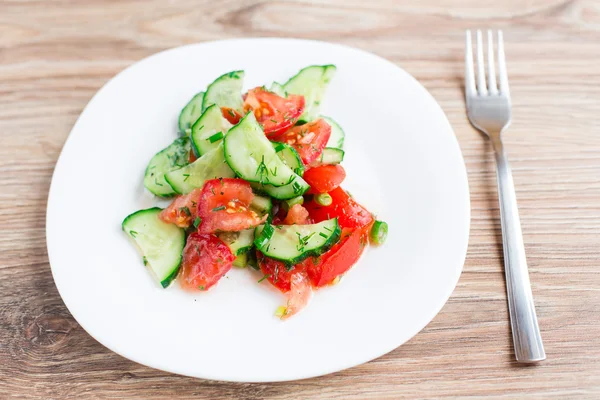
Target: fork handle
column 526, row 333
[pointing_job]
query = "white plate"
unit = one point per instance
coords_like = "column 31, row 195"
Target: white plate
column 402, row 161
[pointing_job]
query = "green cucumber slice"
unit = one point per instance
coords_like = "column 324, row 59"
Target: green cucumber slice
column 161, row 243
column 190, row 113
column 208, row 131
column 295, row 189
column 173, row 157
column 278, row 89
column 261, row 205
column 294, row 243
column 290, row 157
column 250, row 154
column 210, row 166
column 336, row 140
column 329, row 156
column 241, row 261
column 238, row 242
column 311, row 82
column 226, row 91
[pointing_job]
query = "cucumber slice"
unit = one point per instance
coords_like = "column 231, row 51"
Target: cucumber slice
column 295, row 189
column 226, row 91
column 238, row 242
column 209, row 129
column 190, row 113
column 294, row 243
column 336, row 139
column 311, row 82
column 278, row 89
column 161, row 243
column 261, row 205
column 250, row 154
column 241, row 261
column 175, row 156
column 329, row 155
column 290, row 157
column 210, row 166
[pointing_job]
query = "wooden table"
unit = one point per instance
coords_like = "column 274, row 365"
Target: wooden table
column 55, row 55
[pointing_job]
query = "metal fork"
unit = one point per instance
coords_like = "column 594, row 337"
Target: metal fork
column 489, row 110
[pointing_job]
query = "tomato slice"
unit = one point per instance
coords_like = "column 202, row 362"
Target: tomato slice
column 224, row 205
column 182, row 211
column 325, row 178
column 297, row 215
column 299, row 294
column 276, row 114
column 324, row 269
column 192, row 157
column 231, row 115
column 309, row 139
column 349, row 213
column 206, row 258
column 276, row 271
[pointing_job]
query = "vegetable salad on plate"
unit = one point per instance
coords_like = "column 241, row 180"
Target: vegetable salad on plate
column 255, row 180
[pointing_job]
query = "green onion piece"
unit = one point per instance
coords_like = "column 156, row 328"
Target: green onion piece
column 378, row 232
column 281, row 311
column 323, row 199
column 197, row 222
column 278, row 147
column 215, row 137
column 287, row 204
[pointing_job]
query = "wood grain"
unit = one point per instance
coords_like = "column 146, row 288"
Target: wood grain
column 54, row 55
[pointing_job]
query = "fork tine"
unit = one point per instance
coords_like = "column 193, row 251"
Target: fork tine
column 469, row 72
column 491, row 65
column 481, row 88
column 502, row 74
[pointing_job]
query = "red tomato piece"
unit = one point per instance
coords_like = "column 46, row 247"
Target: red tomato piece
column 309, row 139
column 182, row 211
column 224, row 205
column 277, row 272
column 206, row 258
column 349, row 213
column 297, row 215
column 192, row 157
column 276, row 114
column 231, row 115
column 299, row 294
column 325, row 178
column 325, row 268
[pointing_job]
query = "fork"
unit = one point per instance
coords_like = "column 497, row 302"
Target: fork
column 489, row 110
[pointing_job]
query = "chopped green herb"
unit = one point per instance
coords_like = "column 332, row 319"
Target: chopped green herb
column 218, row 208
column 264, row 277
column 323, row 235
column 273, row 121
column 133, row 234
column 157, row 183
column 197, row 222
column 231, row 112
column 186, row 211
column 145, row 260
column 217, row 136
column 186, row 177
column 202, row 287
column 279, row 147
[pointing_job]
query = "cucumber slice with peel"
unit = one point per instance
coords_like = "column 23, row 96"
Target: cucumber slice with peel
column 175, row 156
column 278, row 89
column 336, row 140
column 329, row 156
column 208, row 131
column 250, row 154
column 311, row 82
column 290, row 157
column 238, row 242
column 161, row 243
column 210, row 166
column 293, row 243
column 226, row 91
column 190, row 113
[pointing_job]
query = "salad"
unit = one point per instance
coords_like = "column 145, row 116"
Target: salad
column 255, row 180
